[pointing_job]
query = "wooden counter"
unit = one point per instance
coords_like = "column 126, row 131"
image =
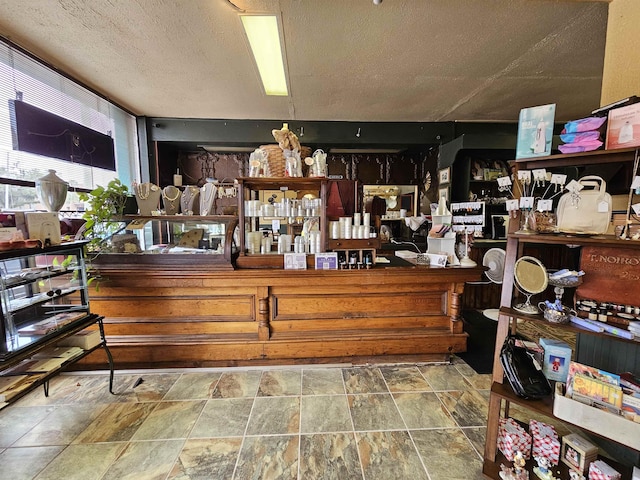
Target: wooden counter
column 197, row 317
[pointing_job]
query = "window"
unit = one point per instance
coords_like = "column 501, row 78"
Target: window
column 22, row 77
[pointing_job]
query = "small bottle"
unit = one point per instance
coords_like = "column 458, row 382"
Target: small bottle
column 593, row 314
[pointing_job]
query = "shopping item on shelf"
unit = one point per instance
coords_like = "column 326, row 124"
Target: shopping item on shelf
column 600, row 470
column 513, row 438
column 545, row 441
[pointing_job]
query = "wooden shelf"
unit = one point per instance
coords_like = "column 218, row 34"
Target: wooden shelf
column 501, row 394
column 543, row 406
column 578, row 240
column 492, row 469
column 510, row 312
column 623, row 155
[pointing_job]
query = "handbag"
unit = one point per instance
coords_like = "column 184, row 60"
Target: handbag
column 522, row 371
column 587, row 211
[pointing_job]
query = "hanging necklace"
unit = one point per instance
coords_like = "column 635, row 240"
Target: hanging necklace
column 166, row 196
column 206, row 199
column 143, row 191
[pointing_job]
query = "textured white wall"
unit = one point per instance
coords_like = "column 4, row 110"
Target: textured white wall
column 621, row 73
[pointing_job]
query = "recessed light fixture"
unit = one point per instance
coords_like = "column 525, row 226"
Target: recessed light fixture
column 264, row 38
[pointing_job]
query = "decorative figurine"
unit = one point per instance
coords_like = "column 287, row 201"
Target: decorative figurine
column 518, row 472
column 543, row 470
column 573, row 475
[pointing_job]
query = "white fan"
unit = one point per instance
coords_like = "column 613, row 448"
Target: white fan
column 493, row 259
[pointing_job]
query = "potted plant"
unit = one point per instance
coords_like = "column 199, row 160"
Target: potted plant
column 105, row 205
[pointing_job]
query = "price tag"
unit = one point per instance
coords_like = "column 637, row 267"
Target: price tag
column 524, row 175
column 504, row 181
column 558, row 178
column 603, row 207
column 512, row 205
column 545, row 205
column 574, row 187
column 540, row 174
column 526, row 203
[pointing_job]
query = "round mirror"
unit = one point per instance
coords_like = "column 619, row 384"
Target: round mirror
column 531, row 278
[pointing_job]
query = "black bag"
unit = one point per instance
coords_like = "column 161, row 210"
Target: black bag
column 523, row 373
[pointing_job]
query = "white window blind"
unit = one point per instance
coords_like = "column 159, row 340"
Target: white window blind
column 22, row 77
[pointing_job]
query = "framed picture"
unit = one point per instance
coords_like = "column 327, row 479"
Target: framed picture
column 444, row 175
column 443, row 192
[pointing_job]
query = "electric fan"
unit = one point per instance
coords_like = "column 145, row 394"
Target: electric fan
column 493, row 259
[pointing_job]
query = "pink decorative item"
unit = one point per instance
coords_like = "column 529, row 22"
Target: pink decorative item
column 512, row 438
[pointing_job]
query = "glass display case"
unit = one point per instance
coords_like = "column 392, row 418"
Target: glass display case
column 164, row 240
column 42, row 292
column 282, row 215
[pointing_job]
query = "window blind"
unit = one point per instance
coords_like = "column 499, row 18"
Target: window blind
column 24, row 78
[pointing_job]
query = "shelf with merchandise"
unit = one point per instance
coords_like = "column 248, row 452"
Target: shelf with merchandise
column 501, row 395
column 280, row 215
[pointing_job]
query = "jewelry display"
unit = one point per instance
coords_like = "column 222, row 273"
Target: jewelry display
column 171, row 199
column 147, row 196
column 190, row 200
column 208, row 194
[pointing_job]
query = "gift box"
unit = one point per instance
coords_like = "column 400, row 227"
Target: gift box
column 577, row 452
column 545, row 441
column 600, row 470
column 557, row 355
column 512, row 438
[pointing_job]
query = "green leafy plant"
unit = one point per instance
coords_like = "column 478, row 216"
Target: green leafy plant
column 105, row 206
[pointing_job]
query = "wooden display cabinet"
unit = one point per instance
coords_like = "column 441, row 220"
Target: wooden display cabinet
column 256, row 213
column 501, row 394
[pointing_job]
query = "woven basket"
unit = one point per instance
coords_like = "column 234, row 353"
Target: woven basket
column 277, row 161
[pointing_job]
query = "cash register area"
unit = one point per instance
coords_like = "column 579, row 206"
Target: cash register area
column 382, row 422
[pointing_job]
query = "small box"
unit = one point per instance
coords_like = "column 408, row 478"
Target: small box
column 557, row 355
column 600, row 470
column 512, row 438
column 84, row 339
column 545, row 441
column 577, row 452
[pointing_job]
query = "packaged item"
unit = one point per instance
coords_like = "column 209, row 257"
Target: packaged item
column 545, row 441
column 577, row 452
column 600, row 470
column 557, row 356
column 513, row 438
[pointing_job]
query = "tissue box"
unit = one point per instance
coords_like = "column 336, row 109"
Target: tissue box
column 600, row 470
column 557, row 355
column 577, row 452
column 511, row 438
column 545, row 441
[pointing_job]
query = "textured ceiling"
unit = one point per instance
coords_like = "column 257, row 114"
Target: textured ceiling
column 403, row 60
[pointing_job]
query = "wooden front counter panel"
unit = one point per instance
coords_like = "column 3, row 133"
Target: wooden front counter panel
column 190, row 317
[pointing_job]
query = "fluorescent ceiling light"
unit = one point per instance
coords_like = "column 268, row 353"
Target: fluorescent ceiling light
column 264, row 39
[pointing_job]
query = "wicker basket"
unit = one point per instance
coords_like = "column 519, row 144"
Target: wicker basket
column 277, row 161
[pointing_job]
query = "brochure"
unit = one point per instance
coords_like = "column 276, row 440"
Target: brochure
column 535, row 131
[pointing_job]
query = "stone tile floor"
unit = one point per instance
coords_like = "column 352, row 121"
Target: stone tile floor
column 372, row 422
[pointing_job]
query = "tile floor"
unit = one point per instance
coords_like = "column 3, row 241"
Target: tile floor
column 387, row 422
